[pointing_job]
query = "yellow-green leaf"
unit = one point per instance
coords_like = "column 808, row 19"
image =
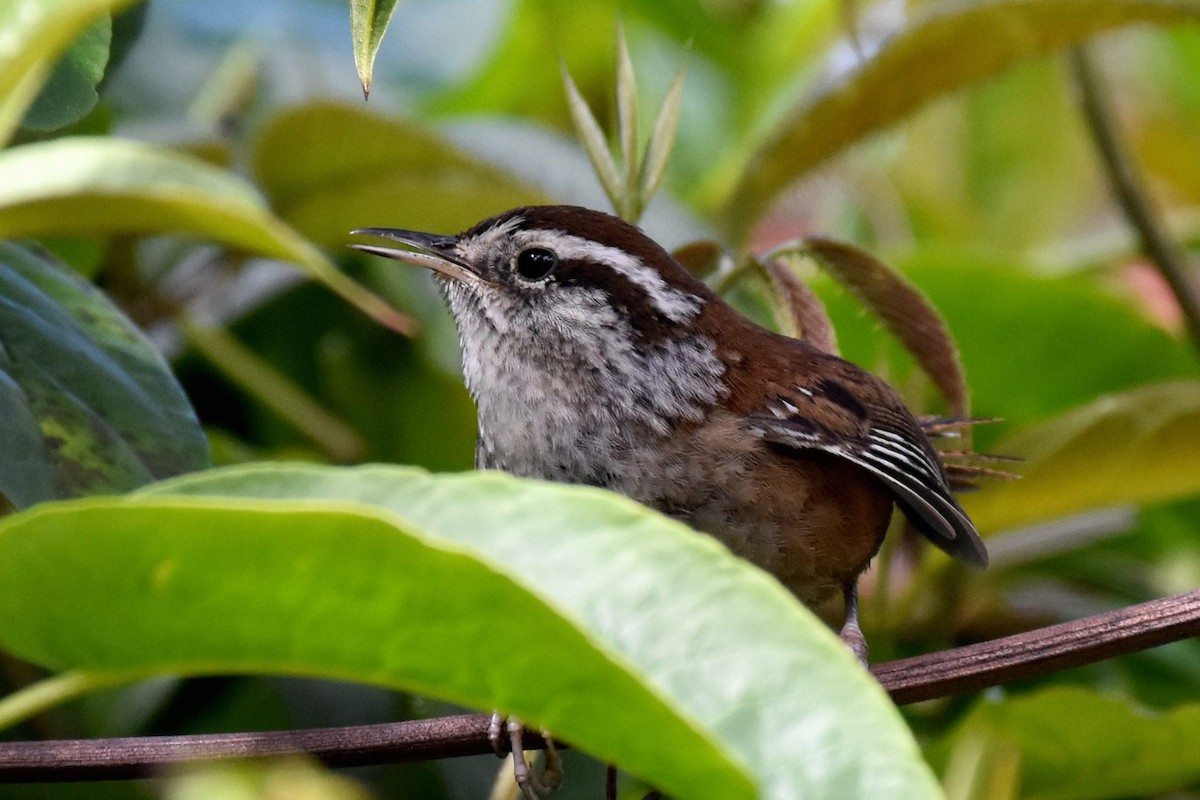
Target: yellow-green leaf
column 84, row 185
column 392, row 173
column 1138, row 447
column 947, row 46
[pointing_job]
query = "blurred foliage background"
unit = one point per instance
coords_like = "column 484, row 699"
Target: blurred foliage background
column 991, row 198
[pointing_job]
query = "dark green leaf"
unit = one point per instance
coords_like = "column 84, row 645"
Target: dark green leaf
column 70, row 91
column 88, row 404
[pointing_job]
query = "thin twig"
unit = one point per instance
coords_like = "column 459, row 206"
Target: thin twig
column 1166, row 255
column 909, row 680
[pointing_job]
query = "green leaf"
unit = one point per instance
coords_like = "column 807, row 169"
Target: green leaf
column 949, row 45
column 1139, row 447
column 84, row 185
column 662, row 140
column 627, row 127
column 368, row 22
column 87, row 405
column 591, row 137
column 1076, row 744
column 35, row 32
column 70, row 92
column 622, row 631
column 394, row 173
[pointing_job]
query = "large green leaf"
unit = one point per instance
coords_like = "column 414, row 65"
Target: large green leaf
column 84, row 185
column 390, row 172
column 947, row 46
column 87, row 405
column 1138, row 447
column 1075, row 744
column 620, row 630
column 32, row 35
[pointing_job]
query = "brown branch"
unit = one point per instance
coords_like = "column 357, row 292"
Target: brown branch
column 909, row 680
column 1166, row 255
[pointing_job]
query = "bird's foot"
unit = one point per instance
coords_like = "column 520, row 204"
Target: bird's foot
column 532, row 785
column 851, row 634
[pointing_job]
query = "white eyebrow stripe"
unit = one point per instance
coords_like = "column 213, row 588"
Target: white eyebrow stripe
column 675, row 305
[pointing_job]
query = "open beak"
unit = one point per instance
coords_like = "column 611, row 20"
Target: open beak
column 430, row 250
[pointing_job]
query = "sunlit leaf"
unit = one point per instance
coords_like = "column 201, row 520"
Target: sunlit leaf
column 393, row 174
column 1076, row 744
column 87, row 405
column 947, row 46
column 1138, row 447
column 368, row 22
column 638, row 630
column 83, row 185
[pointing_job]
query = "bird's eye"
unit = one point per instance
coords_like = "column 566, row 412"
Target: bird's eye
column 536, row 263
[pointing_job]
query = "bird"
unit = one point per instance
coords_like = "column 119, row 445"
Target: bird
column 594, row 357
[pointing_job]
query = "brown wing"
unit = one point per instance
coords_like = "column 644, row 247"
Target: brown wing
column 848, row 412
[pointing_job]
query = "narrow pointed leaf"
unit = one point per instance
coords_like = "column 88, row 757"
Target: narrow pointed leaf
column 625, row 633
column 368, row 22
column 903, row 309
column 1137, row 447
column 87, row 404
column 593, row 141
column 627, row 124
column 662, row 139
column 947, row 46
column 84, row 185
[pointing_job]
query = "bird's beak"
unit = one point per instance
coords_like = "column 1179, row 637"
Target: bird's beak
column 430, row 250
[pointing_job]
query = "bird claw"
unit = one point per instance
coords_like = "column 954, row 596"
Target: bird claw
column 532, row 785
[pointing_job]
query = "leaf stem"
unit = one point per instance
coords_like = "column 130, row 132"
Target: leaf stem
column 274, row 390
column 1166, row 255
column 44, row 694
